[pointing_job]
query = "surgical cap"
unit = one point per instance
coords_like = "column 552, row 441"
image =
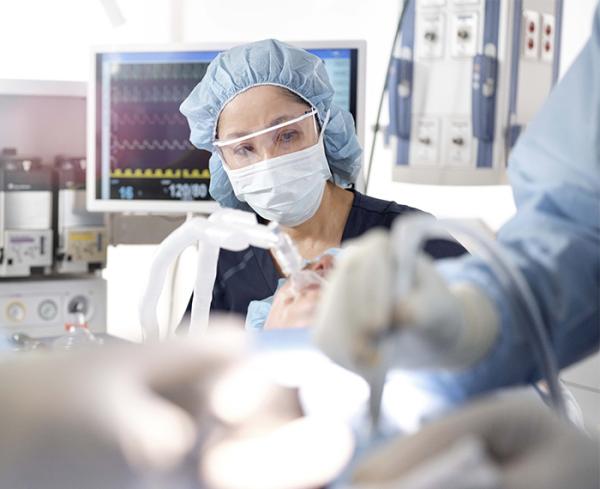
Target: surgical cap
column 269, row 62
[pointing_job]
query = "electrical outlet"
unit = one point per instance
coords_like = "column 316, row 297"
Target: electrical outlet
column 458, row 143
column 424, row 147
column 463, row 34
column 547, row 38
column 430, row 35
column 531, row 34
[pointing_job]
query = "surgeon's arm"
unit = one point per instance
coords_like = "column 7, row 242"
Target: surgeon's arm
column 554, row 238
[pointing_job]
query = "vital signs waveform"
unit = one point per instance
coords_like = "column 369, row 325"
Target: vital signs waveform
column 153, row 119
column 150, row 145
column 143, row 94
column 159, row 71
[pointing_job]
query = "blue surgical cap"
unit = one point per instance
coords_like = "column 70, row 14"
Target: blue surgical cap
column 269, row 62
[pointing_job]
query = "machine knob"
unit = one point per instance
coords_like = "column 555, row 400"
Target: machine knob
column 78, row 305
column 404, row 89
column 489, row 87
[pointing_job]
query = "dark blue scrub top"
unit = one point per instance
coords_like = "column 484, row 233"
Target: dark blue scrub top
column 248, row 275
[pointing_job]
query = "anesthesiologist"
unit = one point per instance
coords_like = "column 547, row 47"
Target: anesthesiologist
column 282, row 148
column 554, row 240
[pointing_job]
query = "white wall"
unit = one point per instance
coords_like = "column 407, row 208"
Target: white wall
column 51, row 39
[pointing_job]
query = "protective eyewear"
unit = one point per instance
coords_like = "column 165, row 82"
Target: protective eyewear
column 284, row 138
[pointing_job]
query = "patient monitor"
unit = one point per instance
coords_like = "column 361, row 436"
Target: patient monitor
column 139, row 153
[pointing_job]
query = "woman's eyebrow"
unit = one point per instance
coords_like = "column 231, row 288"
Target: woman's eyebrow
column 274, row 122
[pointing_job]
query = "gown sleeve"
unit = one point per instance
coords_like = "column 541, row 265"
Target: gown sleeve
column 554, row 238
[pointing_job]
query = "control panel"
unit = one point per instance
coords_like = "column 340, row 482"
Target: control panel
column 467, row 77
column 43, row 307
column 23, row 251
column 81, row 246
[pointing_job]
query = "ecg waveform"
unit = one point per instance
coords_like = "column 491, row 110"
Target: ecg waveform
column 153, row 145
column 152, row 93
column 148, row 134
column 153, row 119
column 159, row 71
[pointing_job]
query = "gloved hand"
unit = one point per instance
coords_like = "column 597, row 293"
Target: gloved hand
column 293, row 308
column 360, row 310
column 528, row 447
column 98, row 418
column 295, row 302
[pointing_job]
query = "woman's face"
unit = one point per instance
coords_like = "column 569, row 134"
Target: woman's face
column 259, row 108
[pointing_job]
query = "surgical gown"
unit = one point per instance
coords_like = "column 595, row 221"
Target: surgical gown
column 554, row 238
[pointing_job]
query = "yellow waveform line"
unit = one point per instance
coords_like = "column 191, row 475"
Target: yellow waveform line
column 160, row 173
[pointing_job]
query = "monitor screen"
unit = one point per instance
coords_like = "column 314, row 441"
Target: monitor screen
column 141, row 156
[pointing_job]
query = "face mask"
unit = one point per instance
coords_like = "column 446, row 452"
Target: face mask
column 287, row 189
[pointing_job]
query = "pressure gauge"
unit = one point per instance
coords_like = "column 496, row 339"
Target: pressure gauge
column 15, row 312
column 48, row 310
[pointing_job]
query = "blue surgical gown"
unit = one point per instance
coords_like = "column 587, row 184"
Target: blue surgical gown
column 554, row 238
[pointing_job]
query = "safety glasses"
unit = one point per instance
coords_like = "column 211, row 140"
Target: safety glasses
column 284, row 138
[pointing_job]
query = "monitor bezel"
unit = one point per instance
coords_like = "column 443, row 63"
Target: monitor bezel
column 97, row 204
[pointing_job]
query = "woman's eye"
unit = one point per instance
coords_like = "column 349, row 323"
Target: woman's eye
column 243, row 150
column 288, row 136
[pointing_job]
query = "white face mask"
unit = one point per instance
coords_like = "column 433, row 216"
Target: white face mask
column 287, row 189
